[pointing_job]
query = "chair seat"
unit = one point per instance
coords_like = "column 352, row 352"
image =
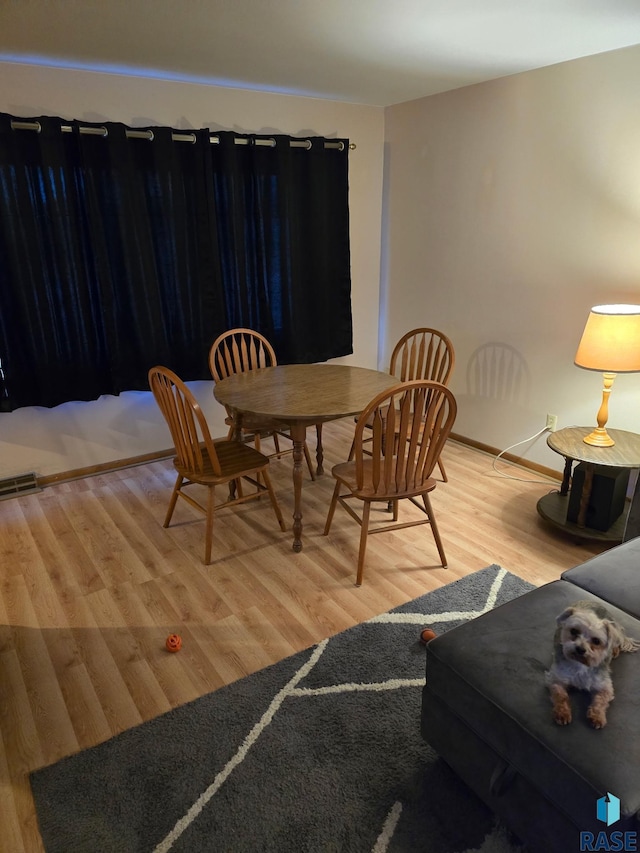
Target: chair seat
column 235, row 460
column 345, row 472
column 369, row 420
column 383, row 414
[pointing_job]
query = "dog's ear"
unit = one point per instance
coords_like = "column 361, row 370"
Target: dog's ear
column 614, row 636
column 565, row 615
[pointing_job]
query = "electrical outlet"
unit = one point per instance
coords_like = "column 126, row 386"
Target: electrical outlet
column 552, row 423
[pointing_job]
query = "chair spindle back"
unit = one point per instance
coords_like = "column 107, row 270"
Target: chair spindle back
column 238, row 351
column 185, row 419
column 423, row 354
column 410, row 424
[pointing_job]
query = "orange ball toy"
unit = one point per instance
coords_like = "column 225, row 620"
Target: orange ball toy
column 427, row 634
column 174, row 643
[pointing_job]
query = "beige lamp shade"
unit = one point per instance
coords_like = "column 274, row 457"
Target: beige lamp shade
column 611, row 340
column 610, row 344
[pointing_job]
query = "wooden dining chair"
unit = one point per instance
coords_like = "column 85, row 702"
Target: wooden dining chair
column 409, row 425
column 423, row 354
column 201, row 460
column 238, row 351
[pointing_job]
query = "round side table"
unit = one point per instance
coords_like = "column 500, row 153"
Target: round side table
column 568, row 442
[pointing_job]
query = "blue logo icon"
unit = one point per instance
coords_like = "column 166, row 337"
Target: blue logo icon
column 608, row 809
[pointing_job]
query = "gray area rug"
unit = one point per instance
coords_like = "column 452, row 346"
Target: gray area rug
column 320, row 753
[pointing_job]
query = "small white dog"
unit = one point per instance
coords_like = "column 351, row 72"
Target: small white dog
column 586, row 641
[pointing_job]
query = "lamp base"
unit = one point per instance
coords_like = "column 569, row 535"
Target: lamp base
column 599, row 438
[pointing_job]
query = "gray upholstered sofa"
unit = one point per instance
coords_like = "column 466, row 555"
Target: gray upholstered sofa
column 487, row 712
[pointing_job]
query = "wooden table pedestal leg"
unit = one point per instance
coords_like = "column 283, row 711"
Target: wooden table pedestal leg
column 319, row 451
column 237, row 436
column 299, row 436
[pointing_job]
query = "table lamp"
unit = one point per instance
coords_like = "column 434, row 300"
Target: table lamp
column 610, row 344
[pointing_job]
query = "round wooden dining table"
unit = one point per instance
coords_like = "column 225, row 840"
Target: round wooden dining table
column 301, row 395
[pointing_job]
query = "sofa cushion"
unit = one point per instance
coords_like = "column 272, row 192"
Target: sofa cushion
column 613, row 576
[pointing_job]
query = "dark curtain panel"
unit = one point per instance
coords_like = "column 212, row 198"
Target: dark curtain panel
column 159, row 286
column 105, row 248
column 283, row 232
column 117, row 254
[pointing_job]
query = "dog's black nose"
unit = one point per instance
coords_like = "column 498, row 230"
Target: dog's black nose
column 580, row 650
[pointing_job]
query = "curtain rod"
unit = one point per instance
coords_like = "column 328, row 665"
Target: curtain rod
column 177, row 137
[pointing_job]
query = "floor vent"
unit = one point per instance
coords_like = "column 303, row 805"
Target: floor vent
column 23, row 484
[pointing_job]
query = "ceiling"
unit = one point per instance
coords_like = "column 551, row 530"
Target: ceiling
column 377, row 52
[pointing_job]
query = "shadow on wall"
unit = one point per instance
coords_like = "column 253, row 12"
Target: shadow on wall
column 495, row 408
column 498, row 372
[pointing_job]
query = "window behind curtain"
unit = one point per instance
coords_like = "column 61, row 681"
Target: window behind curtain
column 118, row 253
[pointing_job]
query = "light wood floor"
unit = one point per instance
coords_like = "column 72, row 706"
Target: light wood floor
column 91, row 584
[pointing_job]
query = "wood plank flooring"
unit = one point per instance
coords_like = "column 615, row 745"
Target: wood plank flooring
column 91, row 584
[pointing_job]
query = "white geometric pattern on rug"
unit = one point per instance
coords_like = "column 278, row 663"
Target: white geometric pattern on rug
column 291, row 690
column 451, row 616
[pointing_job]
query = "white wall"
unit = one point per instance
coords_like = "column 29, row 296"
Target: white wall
column 512, row 207
column 77, row 435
